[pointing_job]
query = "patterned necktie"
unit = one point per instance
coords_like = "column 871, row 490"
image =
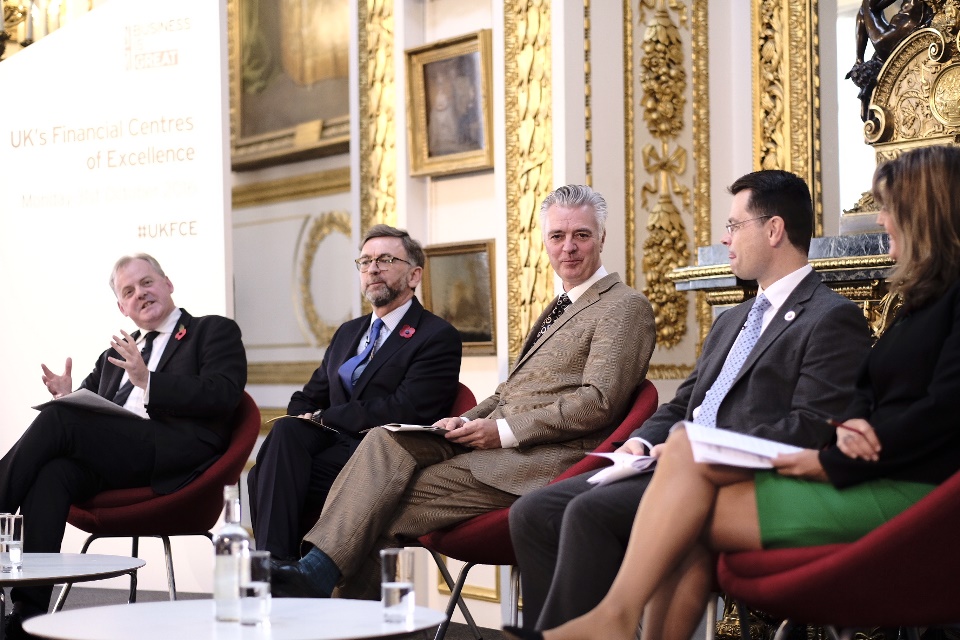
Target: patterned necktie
column 124, row 391
column 744, row 344
column 563, row 301
column 350, row 370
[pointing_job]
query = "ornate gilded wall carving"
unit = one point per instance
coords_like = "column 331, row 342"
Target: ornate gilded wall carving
column 529, row 170
column 663, row 80
column 662, row 74
column 786, row 91
column 917, row 92
column 587, row 109
column 378, row 133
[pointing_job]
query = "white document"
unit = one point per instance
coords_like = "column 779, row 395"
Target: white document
column 396, row 426
column 86, row 399
column 624, row 465
column 722, row 446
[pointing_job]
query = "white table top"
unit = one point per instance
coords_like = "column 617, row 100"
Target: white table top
column 291, row 619
column 49, row 568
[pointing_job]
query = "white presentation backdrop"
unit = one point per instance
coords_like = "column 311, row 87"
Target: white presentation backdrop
column 113, row 140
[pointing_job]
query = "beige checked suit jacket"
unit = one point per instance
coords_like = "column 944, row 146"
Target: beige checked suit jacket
column 569, row 388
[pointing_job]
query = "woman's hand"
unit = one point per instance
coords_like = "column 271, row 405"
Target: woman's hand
column 803, row 464
column 857, row 439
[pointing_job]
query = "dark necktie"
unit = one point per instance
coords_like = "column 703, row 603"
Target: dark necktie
column 563, row 301
column 124, row 391
column 744, row 344
column 350, row 370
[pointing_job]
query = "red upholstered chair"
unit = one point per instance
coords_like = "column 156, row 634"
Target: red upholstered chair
column 485, row 539
column 192, row 510
column 902, row 574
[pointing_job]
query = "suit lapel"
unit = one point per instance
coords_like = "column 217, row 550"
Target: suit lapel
column 792, row 307
column 173, row 343
column 590, row 296
column 391, row 346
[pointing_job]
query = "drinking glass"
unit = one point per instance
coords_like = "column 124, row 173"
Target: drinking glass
column 396, row 587
column 11, row 543
column 254, row 587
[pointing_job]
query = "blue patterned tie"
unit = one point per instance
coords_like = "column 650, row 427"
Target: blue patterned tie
column 350, row 370
column 744, row 344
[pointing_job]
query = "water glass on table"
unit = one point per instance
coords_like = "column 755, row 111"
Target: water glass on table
column 396, row 588
column 254, row 587
column 11, row 543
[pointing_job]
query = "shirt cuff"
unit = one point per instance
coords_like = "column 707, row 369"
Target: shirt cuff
column 507, row 439
column 146, row 391
column 643, row 442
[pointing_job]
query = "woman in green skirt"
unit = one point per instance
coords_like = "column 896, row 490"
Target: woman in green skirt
column 897, row 441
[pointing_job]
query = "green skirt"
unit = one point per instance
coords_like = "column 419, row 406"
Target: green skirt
column 802, row 513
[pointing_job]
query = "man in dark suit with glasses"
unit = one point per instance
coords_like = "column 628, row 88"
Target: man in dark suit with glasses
column 400, row 363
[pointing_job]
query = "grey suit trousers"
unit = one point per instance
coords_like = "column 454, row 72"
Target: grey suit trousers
column 397, row 486
column 570, row 538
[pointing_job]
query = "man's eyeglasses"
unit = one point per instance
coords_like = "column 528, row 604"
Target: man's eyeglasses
column 733, row 226
column 383, row 262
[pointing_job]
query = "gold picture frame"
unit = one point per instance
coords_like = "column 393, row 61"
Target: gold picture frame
column 449, row 95
column 289, row 82
column 459, row 286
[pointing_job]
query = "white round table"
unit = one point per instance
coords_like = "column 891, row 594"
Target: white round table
column 50, row 568
column 291, row 619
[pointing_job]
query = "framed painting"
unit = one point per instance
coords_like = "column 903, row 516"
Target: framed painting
column 289, row 84
column 449, row 105
column 458, row 286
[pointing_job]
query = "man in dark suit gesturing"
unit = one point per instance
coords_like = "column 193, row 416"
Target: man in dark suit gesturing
column 574, row 380
column 775, row 372
column 183, row 377
column 399, row 364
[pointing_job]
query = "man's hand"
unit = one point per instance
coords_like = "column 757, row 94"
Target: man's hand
column 802, row 464
column 132, row 361
column 478, row 434
column 450, row 423
column 58, row 385
column 633, row 447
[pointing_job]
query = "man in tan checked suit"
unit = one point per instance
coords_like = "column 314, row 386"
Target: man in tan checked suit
column 573, row 382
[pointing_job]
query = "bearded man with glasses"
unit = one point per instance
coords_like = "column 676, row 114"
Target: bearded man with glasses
column 400, row 363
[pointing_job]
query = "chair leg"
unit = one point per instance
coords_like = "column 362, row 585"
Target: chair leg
column 456, row 600
column 168, row 555
column 515, row 595
column 65, row 589
column 135, row 552
column 743, row 615
column 711, row 617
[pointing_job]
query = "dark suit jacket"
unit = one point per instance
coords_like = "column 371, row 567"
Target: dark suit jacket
column 194, row 391
column 801, row 371
column 411, row 378
column 908, row 390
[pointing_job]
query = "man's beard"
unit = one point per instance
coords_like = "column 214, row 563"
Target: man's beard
column 382, row 296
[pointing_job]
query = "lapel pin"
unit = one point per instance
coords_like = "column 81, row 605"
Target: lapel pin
column 790, row 315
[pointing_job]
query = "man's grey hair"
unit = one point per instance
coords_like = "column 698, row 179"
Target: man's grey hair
column 574, row 196
column 411, row 246
column 125, row 260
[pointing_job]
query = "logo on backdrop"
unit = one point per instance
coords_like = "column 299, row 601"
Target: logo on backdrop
column 150, row 45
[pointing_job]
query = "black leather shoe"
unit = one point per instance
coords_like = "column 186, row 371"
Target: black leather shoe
column 287, row 580
column 13, row 627
column 522, row 634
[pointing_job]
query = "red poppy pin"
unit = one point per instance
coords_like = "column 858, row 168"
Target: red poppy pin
column 182, row 331
column 407, row 331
